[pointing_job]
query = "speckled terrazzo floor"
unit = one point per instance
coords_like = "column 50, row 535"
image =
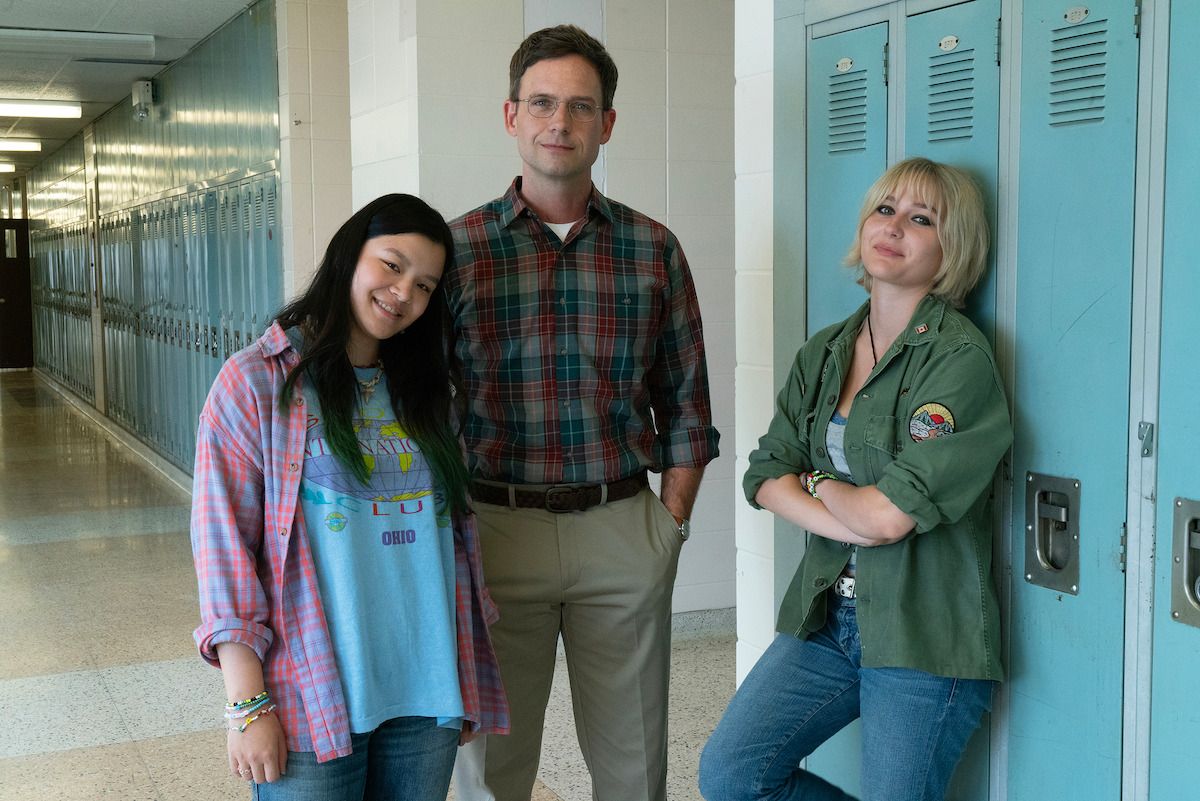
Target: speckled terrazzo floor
column 101, row 694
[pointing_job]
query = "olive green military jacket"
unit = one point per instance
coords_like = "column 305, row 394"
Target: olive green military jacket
column 928, row 430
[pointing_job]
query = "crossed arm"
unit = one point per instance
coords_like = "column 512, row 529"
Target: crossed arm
column 858, row 515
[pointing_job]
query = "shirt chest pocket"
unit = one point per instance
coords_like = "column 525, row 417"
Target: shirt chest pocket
column 883, row 443
column 616, row 314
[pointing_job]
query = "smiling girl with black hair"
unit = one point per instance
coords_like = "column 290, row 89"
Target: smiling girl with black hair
column 341, row 591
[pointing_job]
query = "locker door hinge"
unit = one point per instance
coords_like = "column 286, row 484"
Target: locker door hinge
column 1124, row 545
column 1146, row 435
column 885, row 63
column 998, row 21
column 1137, row 19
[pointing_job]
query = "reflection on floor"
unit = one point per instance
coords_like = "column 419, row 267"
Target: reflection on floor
column 101, row 693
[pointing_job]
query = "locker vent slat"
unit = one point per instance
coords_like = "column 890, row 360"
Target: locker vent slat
column 271, row 206
column 951, row 114
column 848, row 112
column 1078, row 73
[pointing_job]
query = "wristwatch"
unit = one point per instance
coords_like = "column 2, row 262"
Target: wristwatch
column 685, row 528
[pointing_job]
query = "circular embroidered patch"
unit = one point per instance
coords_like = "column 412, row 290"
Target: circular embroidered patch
column 929, row 421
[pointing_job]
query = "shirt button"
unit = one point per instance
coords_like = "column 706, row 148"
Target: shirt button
column 565, row 404
column 283, row 532
column 829, row 401
column 562, row 351
column 293, row 467
column 299, row 401
column 820, row 582
column 820, row 452
column 847, row 545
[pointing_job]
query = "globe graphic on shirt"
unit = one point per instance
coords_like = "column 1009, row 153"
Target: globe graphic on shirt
column 396, row 472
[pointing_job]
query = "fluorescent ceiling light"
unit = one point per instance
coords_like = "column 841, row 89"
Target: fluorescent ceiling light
column 40, row 108
column 28, row 145
column 76, row 44
column 8, row 167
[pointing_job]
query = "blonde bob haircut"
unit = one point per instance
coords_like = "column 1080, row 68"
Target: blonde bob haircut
column 962, row 226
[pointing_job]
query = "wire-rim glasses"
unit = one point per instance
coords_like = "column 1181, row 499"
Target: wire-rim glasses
column 545, row 106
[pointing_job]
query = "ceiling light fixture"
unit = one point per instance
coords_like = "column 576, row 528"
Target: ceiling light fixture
column 40, row 108
column 76, row 44
column 27, row 145
column 8, row 167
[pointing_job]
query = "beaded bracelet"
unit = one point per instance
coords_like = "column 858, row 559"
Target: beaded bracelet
column 246, row 723
column 232, row 713
column 249, row 701
column 246, row 710
column 815, row 477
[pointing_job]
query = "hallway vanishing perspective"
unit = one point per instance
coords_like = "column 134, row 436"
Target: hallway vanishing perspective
column 101, row 692
column 100, row 689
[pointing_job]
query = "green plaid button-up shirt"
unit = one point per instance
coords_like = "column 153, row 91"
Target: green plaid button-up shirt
column 584, row 358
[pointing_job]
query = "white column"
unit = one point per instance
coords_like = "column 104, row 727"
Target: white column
column 314, row 131
column 753, row 67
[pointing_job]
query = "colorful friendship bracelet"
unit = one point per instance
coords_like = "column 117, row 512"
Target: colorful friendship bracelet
column 246, row 723
column 814, row 478
column 243, row 704
column 231, row 714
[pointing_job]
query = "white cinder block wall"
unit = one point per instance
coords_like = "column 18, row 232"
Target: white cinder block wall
column 314, row 131
column 753, row 68
column 427, row 83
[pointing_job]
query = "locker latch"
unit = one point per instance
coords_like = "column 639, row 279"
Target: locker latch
column 1052, row 532
column 1185, row 563
column 1146, row 435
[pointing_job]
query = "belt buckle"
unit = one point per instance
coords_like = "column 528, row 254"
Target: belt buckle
column 844, row 586
column 553, row 492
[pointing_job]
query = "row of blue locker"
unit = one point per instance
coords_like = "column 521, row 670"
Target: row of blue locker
column 214, row 112
column 183, row 283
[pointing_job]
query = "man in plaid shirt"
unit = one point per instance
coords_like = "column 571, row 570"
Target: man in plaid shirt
column 579, row 330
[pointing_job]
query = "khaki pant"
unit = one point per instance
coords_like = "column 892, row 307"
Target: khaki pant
column 603, row 580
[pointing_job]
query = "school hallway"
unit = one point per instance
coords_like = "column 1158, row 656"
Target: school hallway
column 101, row 691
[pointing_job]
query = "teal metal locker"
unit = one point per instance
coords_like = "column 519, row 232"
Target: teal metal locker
column 950, row 112
column 1175, row 715
column 1078, row 102
column 846, row 136
column 952, row 109
column 847, row 133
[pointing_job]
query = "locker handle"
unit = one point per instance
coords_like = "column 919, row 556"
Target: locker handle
column 1052, row 506
column 1185, row 563
column 1050, row 511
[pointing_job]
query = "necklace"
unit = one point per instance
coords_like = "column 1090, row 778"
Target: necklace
column 870, row 336
column 368, row 386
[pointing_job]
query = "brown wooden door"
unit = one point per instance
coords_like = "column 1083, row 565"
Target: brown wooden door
column 16, row 303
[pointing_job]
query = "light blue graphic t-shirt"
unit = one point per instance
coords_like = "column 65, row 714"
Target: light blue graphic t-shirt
column 835, row 445
column 384, row 554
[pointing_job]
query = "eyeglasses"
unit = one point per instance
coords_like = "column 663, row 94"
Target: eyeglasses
column 545, row 106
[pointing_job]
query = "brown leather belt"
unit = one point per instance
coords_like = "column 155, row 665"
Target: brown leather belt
column 560, row 497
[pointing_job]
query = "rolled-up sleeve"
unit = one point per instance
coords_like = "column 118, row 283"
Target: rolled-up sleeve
column 679, row 379
column 938, row 479
column 227, row 520
column 783, row 450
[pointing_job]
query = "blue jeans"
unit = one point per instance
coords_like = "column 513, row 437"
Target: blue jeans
column 405, row 759
column 914, row 725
